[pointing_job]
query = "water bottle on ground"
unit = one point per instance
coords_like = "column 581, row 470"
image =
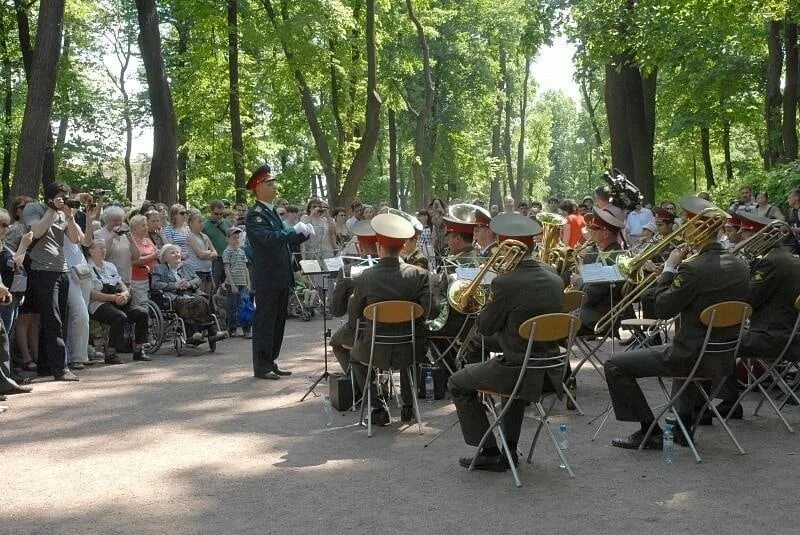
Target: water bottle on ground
column 563, row 444
column 327, row 411
column 667, row 445
column 429, row 385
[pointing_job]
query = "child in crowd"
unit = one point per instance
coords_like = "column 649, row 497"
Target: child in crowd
column 201, row 252
column 237, row 278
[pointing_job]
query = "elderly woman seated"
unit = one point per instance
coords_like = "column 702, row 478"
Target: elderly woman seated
column 180, row 284
column 110, row 304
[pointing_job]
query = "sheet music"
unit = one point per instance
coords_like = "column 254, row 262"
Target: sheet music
column 311, row 267
column 597, row 272
column 355, row 271
column 334, row 264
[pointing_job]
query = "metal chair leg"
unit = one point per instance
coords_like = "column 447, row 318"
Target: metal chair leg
column 414, row 399
column 713, row 409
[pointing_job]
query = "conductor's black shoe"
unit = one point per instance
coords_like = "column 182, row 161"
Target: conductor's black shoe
column 488, row 463
column 406, row 414
column 280, row 372
column 113, row 359
column 268, row 375
column 141, row 355
column 725, row 407
column 380, row 417
column 632, row 442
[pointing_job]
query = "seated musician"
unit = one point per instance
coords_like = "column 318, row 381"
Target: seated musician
column 483, row 234
column 731, row 234
column 389, row 280
column 774, row 287
column 665, row 221
column 604, row 229
column 343, row 289
column 685, row 288
column 508, row 307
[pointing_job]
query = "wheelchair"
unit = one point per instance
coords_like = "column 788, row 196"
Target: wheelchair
column 165, row 324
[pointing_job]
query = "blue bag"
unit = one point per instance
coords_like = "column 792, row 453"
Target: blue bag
column 246, row 310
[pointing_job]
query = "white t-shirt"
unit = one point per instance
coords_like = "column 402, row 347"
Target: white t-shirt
column 118, row 252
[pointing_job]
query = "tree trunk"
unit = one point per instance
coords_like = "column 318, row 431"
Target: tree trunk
column 497, row 153
column 772, row 105
column 372, row 123
column 705, row 149
column 24, row 31
column 162, row 183
column 310, row 110
column 422, row 186
column 39, row 105
column 591, row 110
column 726, row 149
column 237, row 144
column 790, row 92
column 63, row 122
column 640, row 92
column 508, row 93
column 8, row 107
column 616, row 113
column 523, row 117
column 393, row 197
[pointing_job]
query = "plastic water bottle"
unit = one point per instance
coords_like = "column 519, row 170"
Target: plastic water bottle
column 327, row 411
column 429, row 385
column 563, row 444
column 667, row 445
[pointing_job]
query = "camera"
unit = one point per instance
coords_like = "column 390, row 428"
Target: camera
column 101, row 193
column 624, row 193
column 72, row 203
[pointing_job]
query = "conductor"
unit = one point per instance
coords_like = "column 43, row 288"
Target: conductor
column 272, row 271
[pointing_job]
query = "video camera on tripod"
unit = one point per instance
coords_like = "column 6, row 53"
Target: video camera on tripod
column 624, row 193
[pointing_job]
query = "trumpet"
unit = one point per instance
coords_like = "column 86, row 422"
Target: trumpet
column 696, row 230
column 762, row 242
column 469, row 297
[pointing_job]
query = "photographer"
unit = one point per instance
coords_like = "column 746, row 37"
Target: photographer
column 48, row 282
column 111, row 305
column 116, row 234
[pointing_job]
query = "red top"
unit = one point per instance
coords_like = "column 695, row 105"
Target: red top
column 146, row 247
column 576, row 224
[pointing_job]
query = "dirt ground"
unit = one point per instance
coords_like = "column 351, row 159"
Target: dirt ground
column 195, row 444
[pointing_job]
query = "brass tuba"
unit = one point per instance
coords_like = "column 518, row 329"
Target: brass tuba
column 762, row 242
column 469, row 297
column 552, row 250
column 700, row 228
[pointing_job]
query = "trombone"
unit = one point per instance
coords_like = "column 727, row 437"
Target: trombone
column 694, row 231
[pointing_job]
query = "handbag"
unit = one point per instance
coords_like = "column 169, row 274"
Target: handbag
column 246, row 310
column 83, row 272
column 19, row 284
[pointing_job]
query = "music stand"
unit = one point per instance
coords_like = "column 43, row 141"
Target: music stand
column 323, row 267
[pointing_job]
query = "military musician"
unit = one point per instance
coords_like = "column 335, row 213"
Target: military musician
column 685, row 288
column 510, row 304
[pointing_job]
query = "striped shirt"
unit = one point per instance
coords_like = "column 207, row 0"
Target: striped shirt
column 235, row 260
column 178, row 237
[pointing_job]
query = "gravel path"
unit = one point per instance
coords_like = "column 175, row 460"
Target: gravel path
column 197, row 445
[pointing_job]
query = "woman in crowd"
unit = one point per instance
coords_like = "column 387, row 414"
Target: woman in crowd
column 201, row 252
column 437, row 205
column 110, row 304
column 572, row 232
column 342, row 232
column 144, row 260
column 765, row 209
column 17, row 228
column 155, row 228
column 181, row 286
column 439, row 233
column 8, row 311
column 369, row 212
column 120, row 248
column 177, row 231
column 323, row 242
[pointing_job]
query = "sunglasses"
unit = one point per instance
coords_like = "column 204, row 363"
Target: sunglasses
column 181, row 213
column 4, row 225
column 281, row 214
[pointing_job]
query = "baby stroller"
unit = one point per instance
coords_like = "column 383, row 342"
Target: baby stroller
column 301, row 302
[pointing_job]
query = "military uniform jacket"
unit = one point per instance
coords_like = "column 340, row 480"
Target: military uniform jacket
column 389, row 280
column 712, row 277
column 774, row 286
column 269, row 242
column 599, row 296
column 532, row 289
column 416, row 258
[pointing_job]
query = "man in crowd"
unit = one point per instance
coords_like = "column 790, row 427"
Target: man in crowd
column 48, row 281
column 635, row 222
column 216, row 228
column 357, row 211
column 793, row 220
column 272, row 276
column 602, row 201
column 746, row 203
